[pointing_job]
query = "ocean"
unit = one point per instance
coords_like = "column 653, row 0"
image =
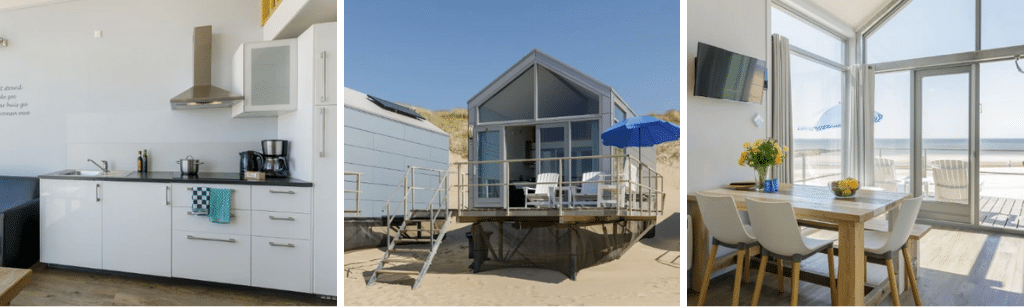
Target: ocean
column 932, row 145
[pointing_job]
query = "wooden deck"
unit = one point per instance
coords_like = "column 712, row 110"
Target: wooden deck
column 1001, row 212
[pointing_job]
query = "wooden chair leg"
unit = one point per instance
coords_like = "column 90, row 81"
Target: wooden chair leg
column 760, row 280
column 911, row 276
column 795, row 281
column 780, row 276
column 746, row 268
column 893, row 289
column 707, row 275
column 832, row 277
column 740, row 255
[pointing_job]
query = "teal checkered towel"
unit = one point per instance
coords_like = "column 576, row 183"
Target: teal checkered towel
column 220, row 205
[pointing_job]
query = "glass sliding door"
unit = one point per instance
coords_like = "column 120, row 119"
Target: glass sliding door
column 553, row 143
column 489, row 149
column 586, row 141
column 943, row 139
column 1001, row 150
column 892, row 131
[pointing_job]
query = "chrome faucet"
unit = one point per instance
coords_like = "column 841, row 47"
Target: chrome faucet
column 104, row 167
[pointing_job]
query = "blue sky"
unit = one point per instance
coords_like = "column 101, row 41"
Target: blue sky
column 438, row 54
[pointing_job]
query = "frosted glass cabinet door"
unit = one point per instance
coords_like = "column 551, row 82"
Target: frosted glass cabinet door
column 270, row 78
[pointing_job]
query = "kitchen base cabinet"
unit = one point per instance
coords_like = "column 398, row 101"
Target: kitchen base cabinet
column 281, row 264
column 70, row 223
column 137, row 228
column 215, row 257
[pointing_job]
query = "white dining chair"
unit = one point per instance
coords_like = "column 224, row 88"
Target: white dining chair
column 723, row 221
column 880, row 245
column 775, row 226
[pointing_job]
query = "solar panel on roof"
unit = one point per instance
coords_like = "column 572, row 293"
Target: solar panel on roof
column 394, row 107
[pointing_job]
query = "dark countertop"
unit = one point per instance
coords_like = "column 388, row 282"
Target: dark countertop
column 210, row 178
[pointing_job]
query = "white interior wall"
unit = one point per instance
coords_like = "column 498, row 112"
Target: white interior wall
column 716, row 129
column 106, row 98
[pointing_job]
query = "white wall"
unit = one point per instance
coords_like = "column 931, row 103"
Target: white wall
column 107, row 98
column 716, row 129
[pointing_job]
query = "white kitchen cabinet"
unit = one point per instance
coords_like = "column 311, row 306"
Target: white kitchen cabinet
column 181, row 194
column 279, row 263
column 266, row 73
column 137, row 227
column 281, row 224
column 213, row 257
column 281, row 199
column 325, row 204
column 70, row 216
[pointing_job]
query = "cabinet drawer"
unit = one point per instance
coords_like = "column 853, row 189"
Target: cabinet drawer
column 282, row 264
column 281, row 199
column 181, row 194
column 212, row 257
column 281, row 225
column 182, row 219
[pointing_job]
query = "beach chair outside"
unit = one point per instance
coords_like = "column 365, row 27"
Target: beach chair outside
column 885, row 176
column 950, row 178
column 587, row 192
column 544, row 192
column 630, row 186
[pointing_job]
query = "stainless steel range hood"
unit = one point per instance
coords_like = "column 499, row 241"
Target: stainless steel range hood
column 203, row 95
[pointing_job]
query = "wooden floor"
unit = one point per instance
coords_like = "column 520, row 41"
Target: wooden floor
column 1002, row 212
column 51, row 286
column 957, row 268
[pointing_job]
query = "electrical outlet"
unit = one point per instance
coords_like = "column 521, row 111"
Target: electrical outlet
column 758, row 121
column 97, row 33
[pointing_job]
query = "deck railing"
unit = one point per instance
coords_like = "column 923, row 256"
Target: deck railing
column 358, row 191
column 648, row 198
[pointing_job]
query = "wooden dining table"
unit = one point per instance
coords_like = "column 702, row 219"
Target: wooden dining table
column 817, row 203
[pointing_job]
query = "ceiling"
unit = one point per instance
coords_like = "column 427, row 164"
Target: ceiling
column 854, row 13
column 6, row 5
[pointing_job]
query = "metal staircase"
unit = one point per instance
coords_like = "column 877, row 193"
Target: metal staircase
column 435, row 211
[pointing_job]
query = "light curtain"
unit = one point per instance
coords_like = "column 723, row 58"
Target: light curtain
column 782, row 106
column 860, row 143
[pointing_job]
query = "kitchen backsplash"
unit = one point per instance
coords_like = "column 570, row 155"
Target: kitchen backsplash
column 163, row 157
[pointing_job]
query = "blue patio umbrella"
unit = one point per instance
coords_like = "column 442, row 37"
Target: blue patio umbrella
column 832, row 118
column 642, row 131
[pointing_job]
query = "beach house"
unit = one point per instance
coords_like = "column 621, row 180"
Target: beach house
column 915, row 100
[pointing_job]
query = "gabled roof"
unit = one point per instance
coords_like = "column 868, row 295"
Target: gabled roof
column 359, row 101
column 536, row 56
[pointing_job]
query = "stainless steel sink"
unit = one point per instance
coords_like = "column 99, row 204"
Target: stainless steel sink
column 95, row 173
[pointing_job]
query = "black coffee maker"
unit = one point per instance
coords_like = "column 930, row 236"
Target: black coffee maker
column 275, row 158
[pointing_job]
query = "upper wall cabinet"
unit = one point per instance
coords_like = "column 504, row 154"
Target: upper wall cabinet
column 267, row 74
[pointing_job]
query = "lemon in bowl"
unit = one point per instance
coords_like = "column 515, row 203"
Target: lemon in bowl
column 845, row 188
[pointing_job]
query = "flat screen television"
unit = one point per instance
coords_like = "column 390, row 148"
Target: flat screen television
column 724, row 74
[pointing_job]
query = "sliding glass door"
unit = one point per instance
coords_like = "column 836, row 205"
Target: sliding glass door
column 943, row 142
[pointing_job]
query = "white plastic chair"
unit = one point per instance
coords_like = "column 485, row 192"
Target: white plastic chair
column 630, row 186
column 727, row 229
column 885, row 176
column 775, row 226
column 544, row 192
column 881, row 245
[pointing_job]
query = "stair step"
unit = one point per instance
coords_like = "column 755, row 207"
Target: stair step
column 414, row 240
column 402, row 260
column 398, row 272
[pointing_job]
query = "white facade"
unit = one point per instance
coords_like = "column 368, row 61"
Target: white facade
column 382, row 145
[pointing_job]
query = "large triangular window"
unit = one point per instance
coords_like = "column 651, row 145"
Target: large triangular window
column 561, row 97
column 513, row 102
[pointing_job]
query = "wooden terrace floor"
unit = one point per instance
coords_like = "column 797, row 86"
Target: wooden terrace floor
column 1002, row 212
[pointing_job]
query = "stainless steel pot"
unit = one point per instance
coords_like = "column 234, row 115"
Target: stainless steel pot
column 275, row 147
column 189, row 166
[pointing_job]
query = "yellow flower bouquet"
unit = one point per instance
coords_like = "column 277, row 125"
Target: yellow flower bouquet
column 761, row 155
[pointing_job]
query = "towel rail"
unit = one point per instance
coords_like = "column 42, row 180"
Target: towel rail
column 193, row 213
column 190, row 189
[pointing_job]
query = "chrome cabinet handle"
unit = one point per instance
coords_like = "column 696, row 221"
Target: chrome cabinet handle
column 323, row 134
column 282, row 218
column 282, row 192
column 193, row 213
column 97, row 192
column 282, row 245
column 191, row 237
column 167, row 194
column 323, row 96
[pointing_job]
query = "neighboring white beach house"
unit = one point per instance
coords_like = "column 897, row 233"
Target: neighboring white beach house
column 382, row 140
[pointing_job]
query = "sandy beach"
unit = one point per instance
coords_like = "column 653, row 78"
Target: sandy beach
column 648, row 274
